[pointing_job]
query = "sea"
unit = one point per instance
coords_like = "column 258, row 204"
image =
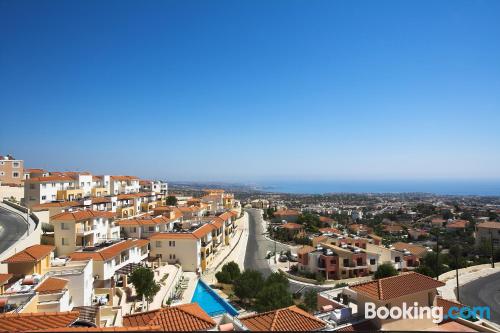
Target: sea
column 440, row 187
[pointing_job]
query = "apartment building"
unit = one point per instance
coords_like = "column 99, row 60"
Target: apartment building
column 124, row 184
column 109, row 258
column 41, row 190
column 157, row 186
column 146, row 227
column 85, row 228
column 333, row 262
column 132, row 204
column 35, row 259
column 488, row 232
column 11, row 170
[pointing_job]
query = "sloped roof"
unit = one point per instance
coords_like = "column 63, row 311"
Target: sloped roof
column 15, row 322
column 287, row 319
column 173, row 235
column 396, row 286
column 184, row 317
column 81, row 215
column 33, row 253
column 489, row 225
column 110, row 251
column 52, row 285
column 149, row 328
column 4, row 278
column 414, row 249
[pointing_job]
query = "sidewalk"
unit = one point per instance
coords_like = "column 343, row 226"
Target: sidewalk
column 234, row 252
column 465, row 275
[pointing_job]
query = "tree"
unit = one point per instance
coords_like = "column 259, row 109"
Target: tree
column 273, row 296
column 171, row 200
column 248, row 284
column 145, row 286
column 311, row 300
column 229, row 273
column 385, row 270
column 423, row 269
column 277, row 278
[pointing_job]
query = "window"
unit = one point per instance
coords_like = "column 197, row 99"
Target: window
column 64, row 226
column 53, row 197
column 64, row 241
column 15, row 165
column 372, row 261
column 44, row 197
column 15, row 174
column 158, row 243
column 2, row 173
column 397, row 259
column 134, row 229
column 44, row 185
column 171, row 243
column 171, row 256
column 82, row 184
column 346, row 262
column 151, row 228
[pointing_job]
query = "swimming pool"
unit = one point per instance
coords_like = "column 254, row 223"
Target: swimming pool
column 210, row 301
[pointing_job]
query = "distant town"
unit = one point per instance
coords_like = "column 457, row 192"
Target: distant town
column 85, row 251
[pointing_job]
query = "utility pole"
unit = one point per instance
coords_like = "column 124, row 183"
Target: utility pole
column 456, row 273
column 437, row 255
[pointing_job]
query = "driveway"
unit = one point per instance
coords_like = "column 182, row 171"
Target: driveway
column 12, row 228
column 484, row 291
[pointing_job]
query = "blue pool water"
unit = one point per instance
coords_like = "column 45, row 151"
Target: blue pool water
column 210, row 301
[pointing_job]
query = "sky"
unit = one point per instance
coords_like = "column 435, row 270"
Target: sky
column 253, row 90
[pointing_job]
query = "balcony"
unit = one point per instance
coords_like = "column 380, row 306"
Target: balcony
column 80, row 230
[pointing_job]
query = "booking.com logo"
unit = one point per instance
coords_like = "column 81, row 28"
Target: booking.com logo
column 435, row 313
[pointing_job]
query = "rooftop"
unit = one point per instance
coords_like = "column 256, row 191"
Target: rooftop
column 287, row 319
column 12, row 322
column 33, row 254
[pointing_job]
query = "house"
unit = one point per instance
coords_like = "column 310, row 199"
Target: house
column 292, row 229
column 438, row 222
column 488, row 231
column 412, row 254
column 327, row 221
column 123, row 185
column 181, row 247
column 291, row 318
column 147, row 226
column 457, row 225
column 185, row 317
column 21, row 322
column 41, row 190
column 11, row 170
column 410, row 288
column 83, row 228
column 360, row 229
column 35, row 259
column 288, row 215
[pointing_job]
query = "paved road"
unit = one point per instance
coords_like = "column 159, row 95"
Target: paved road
column 483, row 292
column 257, row 247
column 12, row 227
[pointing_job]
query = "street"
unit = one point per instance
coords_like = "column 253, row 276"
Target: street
column 12, row 227
column 258, row 245
column 483, row 292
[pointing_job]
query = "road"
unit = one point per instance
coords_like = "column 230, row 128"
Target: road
column 483, row 292
column 258, row 245
column 12, row 227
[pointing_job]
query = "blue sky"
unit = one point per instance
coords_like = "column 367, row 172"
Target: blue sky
column 253, row 90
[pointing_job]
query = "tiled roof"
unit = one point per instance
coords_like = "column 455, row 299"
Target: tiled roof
column 4, row 278
column 417, row 250
column 108, row 252
column 173, row 235
column 185, row 317
column 148, row 221
column 447, row 304
column 305, row 249
column 33, row 253
column 52, row 285
column 458, row 224
column 81, row 215
column 292, row 226
column 57, row 204
column 149, row 328
column 15, row 322
column 332, row 230
column 396, row 286
column 203, row 230
column 286, row 319
column 326, row 219
column 121, row 178
column 287, row 212
column 225, row 216
column 49, row 179
column 489, row 225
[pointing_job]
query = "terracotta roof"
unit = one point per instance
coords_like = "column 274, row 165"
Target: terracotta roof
column 326, row 219
column 149, row 328
column 57, row 204
column 489, row 225
column 33, row 253
column 81, row 215
column 122, row 178
column 414, row 249
column 108, row 252
column 286, row 319
column 15, row 322
column 225, row 216
column 203, row 230
column 447, row 304
column 50, row 179
column 332, row 230
column 451, row 326
column 52, row 285
column 457, row 224
column 98, row 200
column 396, row 286
column 287, row 212
column 173, row 235
column 292, row 226
column 4, row 278
column 305, row 249
column 185, row 317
